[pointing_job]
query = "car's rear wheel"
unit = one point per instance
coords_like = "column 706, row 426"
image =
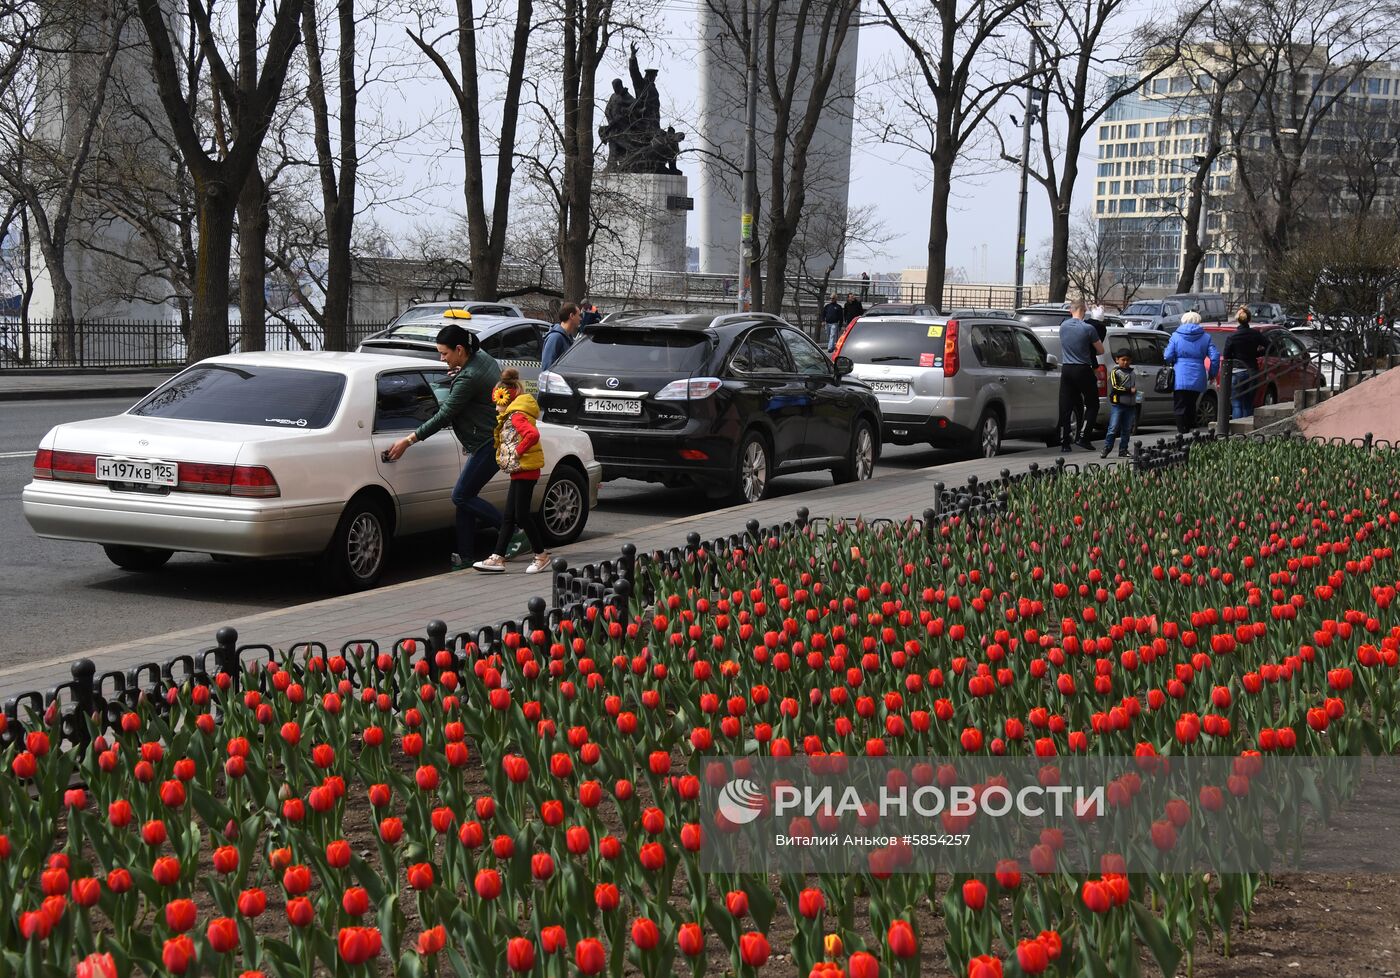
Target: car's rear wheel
column 860, row 460
column 137, row 558
column 752, row 470
column 986, row 437
column 564, row 509
column 358, row 551
column 1206, row 410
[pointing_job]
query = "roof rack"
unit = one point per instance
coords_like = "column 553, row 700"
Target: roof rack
column 744, row 317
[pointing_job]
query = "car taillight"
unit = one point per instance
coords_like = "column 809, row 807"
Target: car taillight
column 1101, row 375
column 65, row 466
column 950, row 348
column 689, row 389
column 551, row 383
column 841, row 340
column 228, row 480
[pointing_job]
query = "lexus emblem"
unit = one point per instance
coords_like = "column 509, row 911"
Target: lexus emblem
column 612, row 383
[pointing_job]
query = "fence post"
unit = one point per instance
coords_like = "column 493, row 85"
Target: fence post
column 83, row 700
column 227, row 640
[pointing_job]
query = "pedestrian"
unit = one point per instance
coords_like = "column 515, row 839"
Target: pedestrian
column 851, row 309
column 465, row 405
column 864, row 286
column 1122, row 401
column 518, row 451
column 561, row 335
column 1188, row 352
column 831, row 320
column 1244, row 348
column 1080, row 349
column 591, row 315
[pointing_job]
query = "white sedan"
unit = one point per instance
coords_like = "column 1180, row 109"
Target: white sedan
column 280, row 455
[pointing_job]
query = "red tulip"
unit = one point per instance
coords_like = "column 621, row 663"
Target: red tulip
column 358, row 944
column 590, row 956
column 645, row 933
column 296, row 880
column 153, row 832
column 252, row 902
column 984, row 966
column 691, row 940
column 433, row 940
column 974, row 893
column 488, row 884
column 180, row 915
column 810, row 903
column 901, row 940
column 1097, row 897
column 754, row 949
column 223, row 934
column 355, row 901
column 165, row 871
column 420, row 876
column 96, row 966
column 301, row 912
column 736, row 902
column 520, row 954
column 1032, row 956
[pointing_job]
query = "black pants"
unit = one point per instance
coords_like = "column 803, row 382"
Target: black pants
column 1184, row 407
column 518, row 513
column 1079, row 402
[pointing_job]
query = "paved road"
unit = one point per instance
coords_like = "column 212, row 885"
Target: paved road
column 62, row 597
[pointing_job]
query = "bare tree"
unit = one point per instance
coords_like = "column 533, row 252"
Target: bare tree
column 48, row 151
column 486, row 226
column 1302, row 65
column 250, row 98
column 951, row 81
column 829, row 233
column 1087, row 74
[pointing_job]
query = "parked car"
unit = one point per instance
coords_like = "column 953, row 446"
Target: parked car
column 1266, row 312
column 627, row 315
column 1165, row 314
column 423, row 311
column 899, row 309
column 513, row 341
column 724, row 403
column 1284, row 367
column 955, row 383
column 279, row 455
column 1146, row 347
column 1044, row 314
column 1337, row 351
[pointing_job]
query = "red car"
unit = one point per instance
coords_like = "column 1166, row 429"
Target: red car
column 1286, row 366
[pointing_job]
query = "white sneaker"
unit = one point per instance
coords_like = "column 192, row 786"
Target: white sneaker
column 494, row 564
column 539, row 564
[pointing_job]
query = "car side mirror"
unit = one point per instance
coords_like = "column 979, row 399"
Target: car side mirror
column 844, row 365
column 1052, row 362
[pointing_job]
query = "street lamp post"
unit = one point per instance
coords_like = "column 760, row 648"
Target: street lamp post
column 1025, row 164
column 748, row 249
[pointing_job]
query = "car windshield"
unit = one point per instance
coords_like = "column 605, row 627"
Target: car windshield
column 1143, row 309
column 272, row 397
column 670, row 351
column 894, row 342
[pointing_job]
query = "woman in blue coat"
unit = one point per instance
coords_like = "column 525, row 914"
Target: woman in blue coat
column 1187, row 351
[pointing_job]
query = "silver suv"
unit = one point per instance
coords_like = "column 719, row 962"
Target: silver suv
column 953, row 382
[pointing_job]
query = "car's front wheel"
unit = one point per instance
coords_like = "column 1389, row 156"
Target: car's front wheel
column 359, row 549
column 137, row 558
column 752, row 469
column 860, row 460
column 564, row 509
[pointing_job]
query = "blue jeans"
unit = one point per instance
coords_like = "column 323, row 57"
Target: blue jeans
column 1241, row 406
column 832, row 331
column 1120, row 422
column 480, row 467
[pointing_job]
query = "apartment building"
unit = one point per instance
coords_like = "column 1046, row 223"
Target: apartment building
column 1149, row 149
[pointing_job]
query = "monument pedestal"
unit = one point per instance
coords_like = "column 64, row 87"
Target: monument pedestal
column 640, row 225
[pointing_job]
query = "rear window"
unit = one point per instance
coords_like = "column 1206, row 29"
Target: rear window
column 1041, row 320
column 270, row 397
column 652, row 350
column 882, row 341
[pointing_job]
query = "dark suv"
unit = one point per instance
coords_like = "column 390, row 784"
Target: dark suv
column 724, row 403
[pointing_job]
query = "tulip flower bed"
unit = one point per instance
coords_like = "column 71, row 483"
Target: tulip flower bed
column 532, row 809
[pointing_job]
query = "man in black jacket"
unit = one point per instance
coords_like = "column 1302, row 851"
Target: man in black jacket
column 831, row 320
column 1244, row 347
column 852, row 309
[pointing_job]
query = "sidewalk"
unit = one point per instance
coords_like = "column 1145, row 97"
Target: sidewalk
column 23, row 385
column 468, row 600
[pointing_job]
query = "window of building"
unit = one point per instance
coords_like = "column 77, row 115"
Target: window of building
column 1098, row 207
column 1132, row 132
column 1127, row 206
column 1178, row 184
column 1180, row 84
column 1105, row 169
column 1100, row 190
column 1159, row 86
column 1113, row 206
column 1373, row 86
column 1113, row 187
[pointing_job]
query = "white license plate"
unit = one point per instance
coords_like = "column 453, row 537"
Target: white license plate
column 146, row 473
column 612, row 405
column 889, row 386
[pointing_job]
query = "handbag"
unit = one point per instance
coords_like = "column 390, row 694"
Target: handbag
column 1166, row 380
column 508, row 452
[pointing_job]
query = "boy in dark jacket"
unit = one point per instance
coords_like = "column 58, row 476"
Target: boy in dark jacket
column 1122, row 404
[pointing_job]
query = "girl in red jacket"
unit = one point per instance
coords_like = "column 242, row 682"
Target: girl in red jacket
column 519, row 453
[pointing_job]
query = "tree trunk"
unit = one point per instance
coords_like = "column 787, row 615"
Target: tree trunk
column 1059, row 250
column 938, row 232
column 65, row 348
column 1191, row 229
column 336, row 314
column 209, row 319
column 252, row 263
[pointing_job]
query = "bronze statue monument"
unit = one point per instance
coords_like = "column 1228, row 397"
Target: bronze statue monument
column 636, row 141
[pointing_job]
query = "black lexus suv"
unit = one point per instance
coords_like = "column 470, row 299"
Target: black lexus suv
column 725, row 403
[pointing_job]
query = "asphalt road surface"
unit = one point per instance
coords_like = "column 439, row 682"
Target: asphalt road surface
column 59, row 597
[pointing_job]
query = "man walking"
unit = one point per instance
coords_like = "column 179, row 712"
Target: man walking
column 1080, row 349
column 1245, row 345
column 561, row 335
column 831, row 319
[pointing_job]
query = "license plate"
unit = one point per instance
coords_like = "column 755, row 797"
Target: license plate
column 612, row 405
column 148, row 473
column 889, row 386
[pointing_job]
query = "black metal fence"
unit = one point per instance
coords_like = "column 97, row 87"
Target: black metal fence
column 43, row 343
column 589, row 598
